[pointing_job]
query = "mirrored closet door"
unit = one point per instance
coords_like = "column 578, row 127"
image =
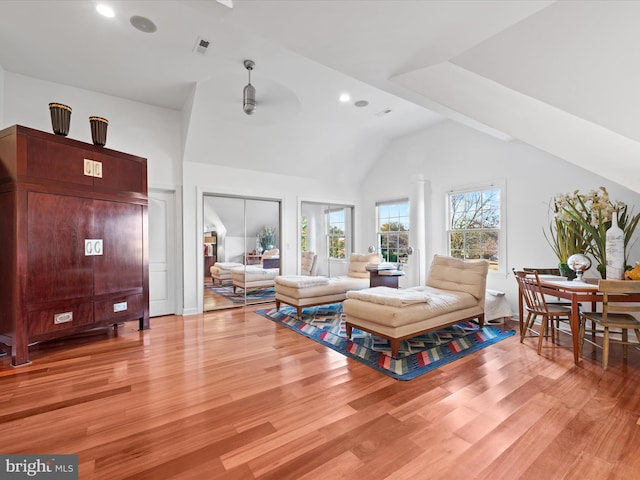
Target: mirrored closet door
column 241, row 250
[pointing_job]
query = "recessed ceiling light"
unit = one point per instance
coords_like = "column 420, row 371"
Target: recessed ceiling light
column 143, row 24
column 105, row 11
column 345, row 97
column 361, row 103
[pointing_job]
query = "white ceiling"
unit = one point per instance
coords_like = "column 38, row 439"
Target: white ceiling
column 562, row 76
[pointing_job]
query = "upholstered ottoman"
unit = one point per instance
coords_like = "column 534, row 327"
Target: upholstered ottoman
column 302, row 291
column 221, row 271
column 252, row 277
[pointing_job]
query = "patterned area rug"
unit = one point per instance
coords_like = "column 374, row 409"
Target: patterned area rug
column 254, row 296
column 416, row 356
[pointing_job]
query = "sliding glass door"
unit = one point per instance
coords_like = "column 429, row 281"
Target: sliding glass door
column 327, row 230
column 246, row 254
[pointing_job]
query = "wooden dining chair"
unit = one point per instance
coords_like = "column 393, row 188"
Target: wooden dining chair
column 549, row 271
column 614, row 315
column 536, row 306
column 543, row 271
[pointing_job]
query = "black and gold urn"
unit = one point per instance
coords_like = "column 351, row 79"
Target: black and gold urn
column 99, row 130
column 60, row 118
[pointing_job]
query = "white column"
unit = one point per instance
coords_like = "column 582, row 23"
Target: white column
column 417, row 234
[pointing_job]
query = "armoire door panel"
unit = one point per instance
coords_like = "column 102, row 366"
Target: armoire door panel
column 119, row 225
column 57, row 267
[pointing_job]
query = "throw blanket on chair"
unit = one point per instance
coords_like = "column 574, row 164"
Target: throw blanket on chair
column 391, row 296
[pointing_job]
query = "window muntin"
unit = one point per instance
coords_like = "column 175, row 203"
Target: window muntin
column 474, row 225
column 393, row 230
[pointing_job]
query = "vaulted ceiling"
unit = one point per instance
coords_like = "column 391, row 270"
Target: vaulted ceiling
column 562, row 76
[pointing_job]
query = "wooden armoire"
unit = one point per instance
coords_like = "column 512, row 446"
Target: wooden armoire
column 73, row 238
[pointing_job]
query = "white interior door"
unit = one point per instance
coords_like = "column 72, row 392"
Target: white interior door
column 162, row 267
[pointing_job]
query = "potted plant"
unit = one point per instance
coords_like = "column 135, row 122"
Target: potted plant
column 589, row 217
column 565, row 237
column 267, row 238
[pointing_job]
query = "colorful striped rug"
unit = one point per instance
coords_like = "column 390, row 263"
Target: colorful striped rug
column 262, row 295
column 417, row 356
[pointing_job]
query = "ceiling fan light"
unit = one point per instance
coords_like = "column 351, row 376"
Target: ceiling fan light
column 249, row 92
column 249, row 99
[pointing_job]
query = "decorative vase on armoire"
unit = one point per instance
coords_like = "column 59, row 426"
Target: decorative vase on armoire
column 615, row 250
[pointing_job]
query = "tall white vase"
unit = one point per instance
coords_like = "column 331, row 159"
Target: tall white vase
column 615, row 250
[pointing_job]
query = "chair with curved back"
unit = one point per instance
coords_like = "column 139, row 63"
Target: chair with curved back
column 549, row 271
column 308, row 264
column 616, row 315
column 536, row 306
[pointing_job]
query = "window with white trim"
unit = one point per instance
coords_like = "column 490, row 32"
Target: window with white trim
column 393, row 230
column 474, row 228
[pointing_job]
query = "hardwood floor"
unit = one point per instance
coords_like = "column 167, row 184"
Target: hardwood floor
column 213, row 301
column 229, row 395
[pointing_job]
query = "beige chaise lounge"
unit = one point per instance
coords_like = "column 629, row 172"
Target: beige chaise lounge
column 221, row 271
column 455, row 292
column 303, row 291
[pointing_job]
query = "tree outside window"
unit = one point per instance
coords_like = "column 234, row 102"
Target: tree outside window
column 474, row 225
column 336, row 234
column 393, row 230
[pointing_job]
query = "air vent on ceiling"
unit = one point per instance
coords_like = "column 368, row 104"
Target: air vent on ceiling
column 201, row 46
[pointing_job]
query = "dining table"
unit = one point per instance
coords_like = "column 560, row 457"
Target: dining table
column 578, row 293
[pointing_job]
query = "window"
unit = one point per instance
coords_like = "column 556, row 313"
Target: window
column 328, row 229
column 336, row 234
column 393, row 230
column 474, row 226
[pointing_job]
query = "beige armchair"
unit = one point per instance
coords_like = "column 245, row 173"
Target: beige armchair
column 308, row 264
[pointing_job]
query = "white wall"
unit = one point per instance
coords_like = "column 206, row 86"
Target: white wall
column 234, row 249
column 2, row 102
column 449, row 156
column 136, row 128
